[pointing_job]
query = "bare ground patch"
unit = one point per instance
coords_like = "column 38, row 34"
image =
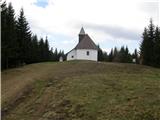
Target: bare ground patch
column 81, row 91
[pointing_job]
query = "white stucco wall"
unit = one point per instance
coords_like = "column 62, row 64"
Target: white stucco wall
column 81, row 54
column 70, row 54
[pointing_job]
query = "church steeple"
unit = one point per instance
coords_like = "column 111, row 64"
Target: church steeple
column 81, row 34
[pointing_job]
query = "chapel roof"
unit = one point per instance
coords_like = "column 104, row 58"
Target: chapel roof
column 86, row 43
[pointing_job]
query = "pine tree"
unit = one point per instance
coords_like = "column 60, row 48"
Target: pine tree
column 121, row 55
column 34, row 49
column 105, row 56
column 150, row 46
column 9, row 38
column 41, row 50
column 111, row 56
column 115, row 53
column 51, row 54
column 46, row 44
column 12, row 36
column 4, row 59
column 151, row 43
column 127, row 57
column 18, row 44
column 56, row 55
column 100, row 54
column 144, row 48
column 157, row 48
column 24, row 38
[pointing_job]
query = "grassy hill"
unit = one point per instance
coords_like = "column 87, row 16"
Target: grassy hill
column 81, row 90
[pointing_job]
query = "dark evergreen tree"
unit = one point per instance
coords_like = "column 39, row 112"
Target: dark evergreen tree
column 55, row 55
column 150, row 46
column 127, row 57
column 144, row 48
column 122, row 55
column 51, row 54
column 46, row 45
column 4, row 42
column 115, row 51
column 41, row 50
column 9, row 38
column 115, row 55
column 18, row 44
column 151, row 43
column 157, row 48
column 34, row 49
column 24, row 38
column 111, row 56
column 100, row 54
column 147, row 45
column 105, row 56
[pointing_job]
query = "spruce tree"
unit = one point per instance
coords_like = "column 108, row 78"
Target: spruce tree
column 105, row 56
column 46, row 45
column 12, row 36
column 18, row 44
column 4, row 56
column 41, row 50
column 56, row 55
column 144, row 48
column 151, row 43
column 157, row 48
column 127, row 57
column 111, row 56
column 34, row 49
column 100, row 54
column 121, row 55
column 149, row 49
column 9, row 38
column 24, row 38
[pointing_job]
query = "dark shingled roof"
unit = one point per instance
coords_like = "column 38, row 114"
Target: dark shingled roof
column 86, row 43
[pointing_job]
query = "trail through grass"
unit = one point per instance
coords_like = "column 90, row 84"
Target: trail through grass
column 83, row 90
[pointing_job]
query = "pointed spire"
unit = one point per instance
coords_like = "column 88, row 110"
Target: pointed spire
column 82, row 32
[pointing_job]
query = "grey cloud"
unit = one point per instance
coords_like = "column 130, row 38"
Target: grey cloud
column 116, row 31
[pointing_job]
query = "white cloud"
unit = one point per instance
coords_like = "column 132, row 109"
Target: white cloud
column 63, row 16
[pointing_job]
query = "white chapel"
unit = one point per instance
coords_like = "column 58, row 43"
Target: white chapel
column 86, row 49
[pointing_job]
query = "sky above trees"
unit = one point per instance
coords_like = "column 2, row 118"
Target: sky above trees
column 109, row 22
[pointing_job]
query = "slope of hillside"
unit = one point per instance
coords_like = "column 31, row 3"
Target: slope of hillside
column 81, row 90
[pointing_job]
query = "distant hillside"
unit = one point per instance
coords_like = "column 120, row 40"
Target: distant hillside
column 81, row 90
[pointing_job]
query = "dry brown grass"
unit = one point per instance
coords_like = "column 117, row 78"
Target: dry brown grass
column 81, row 91
column 16, row 81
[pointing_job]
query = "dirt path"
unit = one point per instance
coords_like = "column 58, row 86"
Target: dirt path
column 80, row 91
column 16, row 81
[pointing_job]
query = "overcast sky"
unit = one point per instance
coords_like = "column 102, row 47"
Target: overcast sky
column 108, row 22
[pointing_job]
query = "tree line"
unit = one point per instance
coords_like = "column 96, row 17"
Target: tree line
column 149, row 53
column 121, row 55
column 19, row 45
column 150, row 46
